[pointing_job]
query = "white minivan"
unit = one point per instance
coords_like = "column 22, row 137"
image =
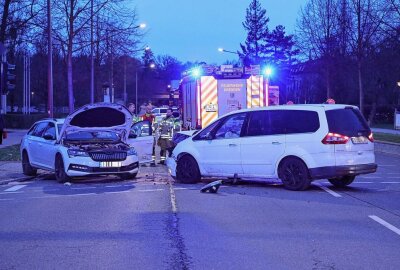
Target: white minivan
column 296, row 143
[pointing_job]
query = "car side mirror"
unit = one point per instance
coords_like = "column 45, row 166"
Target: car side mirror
column 48, row 137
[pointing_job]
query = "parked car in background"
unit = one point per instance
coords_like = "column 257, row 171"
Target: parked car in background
column 296, row 143
column 159, row 113
column 91, row 141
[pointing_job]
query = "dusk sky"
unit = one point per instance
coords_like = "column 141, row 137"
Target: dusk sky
column 193, row 30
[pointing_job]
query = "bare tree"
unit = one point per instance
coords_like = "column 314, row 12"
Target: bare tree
column 367, row 18
column 317, row 30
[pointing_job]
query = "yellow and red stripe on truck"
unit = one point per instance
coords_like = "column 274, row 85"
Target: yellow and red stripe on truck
column 209, row 99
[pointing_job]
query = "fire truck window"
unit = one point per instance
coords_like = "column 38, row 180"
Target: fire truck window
column 231, row 128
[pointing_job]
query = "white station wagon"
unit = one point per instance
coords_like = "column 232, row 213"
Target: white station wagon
column 296, row 143
column 97, row 139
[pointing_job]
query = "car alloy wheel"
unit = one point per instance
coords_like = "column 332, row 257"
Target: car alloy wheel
column 294, row 174
column 27, row 169
column 187, row 170
column 61, row 176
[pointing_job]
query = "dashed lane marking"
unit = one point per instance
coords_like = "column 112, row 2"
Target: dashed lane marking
column 386, row 224
column 390, row 182
column 333, row 193
column 14, row 188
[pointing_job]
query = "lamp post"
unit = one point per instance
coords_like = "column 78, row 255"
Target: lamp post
column 152, row 66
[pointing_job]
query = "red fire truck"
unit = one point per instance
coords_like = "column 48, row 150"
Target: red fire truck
column 207, row 92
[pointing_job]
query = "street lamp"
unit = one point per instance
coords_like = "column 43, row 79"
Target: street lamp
column 222, row 50
column 152, row 66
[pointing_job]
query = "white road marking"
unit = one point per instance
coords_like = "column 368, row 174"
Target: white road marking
column 370, row 177
column 150, row 190
column 390, row 182
column 180, row 188
column 363, row 182
column 387, row 165
column 6, row 199
column 15, row 188
column 333, row 193
column 11, row 192
column 395, row 177
column 386, row 224
column 392, row 173
column 172, row 196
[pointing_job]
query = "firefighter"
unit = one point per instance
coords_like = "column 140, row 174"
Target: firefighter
column 166, row 128
column 148, row 116
column 135, row 117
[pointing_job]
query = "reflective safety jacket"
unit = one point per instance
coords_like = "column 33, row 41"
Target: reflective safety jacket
column 168, row 126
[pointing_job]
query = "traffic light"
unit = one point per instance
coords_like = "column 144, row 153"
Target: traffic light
column 10, row 77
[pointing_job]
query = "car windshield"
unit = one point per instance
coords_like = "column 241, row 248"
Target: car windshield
column 100, row 136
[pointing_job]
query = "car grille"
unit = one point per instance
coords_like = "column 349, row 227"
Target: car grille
column 108, row 156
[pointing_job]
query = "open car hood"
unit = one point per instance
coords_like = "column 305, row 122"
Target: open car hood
column 99, row 117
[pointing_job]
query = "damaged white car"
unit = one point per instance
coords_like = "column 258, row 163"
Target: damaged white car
column 91, row 141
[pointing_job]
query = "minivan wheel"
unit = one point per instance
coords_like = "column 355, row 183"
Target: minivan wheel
column 128, row 176
column 61, row 176
column 342, row 181
column 27, row 168
column 294, row 174
column 187, row 170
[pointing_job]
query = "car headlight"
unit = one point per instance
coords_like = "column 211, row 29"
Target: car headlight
column 77, row 153
column 132, row 152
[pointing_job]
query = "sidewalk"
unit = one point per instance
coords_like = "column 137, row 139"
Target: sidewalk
column 14, row 136
column 387, row 131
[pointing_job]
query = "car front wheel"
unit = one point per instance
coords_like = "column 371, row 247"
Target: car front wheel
column 342, row 181
column 61, row 176
column 187, row 170
column 27, row 168
column 294, row 174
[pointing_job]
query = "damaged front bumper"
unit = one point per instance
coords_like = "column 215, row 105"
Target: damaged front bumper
column 171, row 164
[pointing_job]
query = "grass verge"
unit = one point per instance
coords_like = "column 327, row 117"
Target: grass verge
column 387, row 137
column 10, row 153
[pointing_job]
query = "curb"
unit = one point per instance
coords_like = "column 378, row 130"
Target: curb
column 387, row 147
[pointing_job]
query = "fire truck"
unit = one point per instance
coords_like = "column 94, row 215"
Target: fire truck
column 208, row 92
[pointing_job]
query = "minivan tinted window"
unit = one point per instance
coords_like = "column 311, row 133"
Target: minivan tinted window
column 276, row 122
column 348, row 122
column 297, row 121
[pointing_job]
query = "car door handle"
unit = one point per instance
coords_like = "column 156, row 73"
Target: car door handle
column 276, row 143
column 232, row 144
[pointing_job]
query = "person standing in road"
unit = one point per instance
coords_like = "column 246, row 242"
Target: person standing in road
column 148, row 116
column 166, row 130
column 143, row 109
column 132, row 108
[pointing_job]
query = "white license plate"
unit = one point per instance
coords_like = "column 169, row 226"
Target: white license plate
column 359, row 140
column 111, row 164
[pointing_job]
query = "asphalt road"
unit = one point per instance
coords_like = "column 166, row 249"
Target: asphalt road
column 151, row 223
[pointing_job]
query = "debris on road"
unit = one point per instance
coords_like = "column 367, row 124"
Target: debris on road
column 211, row 187
column 67, row 184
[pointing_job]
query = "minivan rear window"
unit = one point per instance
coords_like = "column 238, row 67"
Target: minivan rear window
column 348, row 122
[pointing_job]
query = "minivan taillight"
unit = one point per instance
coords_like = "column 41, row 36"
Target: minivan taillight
column 371, row 137
column 334, row 138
